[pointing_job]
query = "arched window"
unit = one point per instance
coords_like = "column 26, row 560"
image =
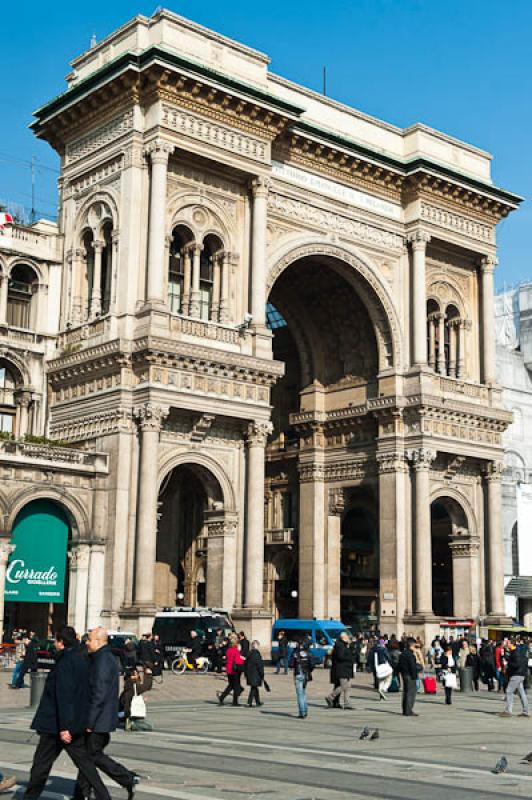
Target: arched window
column 452, row 323
column 433, row 315
column 21, row 292
column 7, row 397
column 107, row 266
column 210, row 277
column 88, row 240
column 179, row 271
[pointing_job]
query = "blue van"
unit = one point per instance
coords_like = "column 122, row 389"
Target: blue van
column 322, row 633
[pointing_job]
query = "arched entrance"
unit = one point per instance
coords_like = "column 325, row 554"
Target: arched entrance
column 195, row 539
column 331, row 334
column 37, row 577
column 455, row 560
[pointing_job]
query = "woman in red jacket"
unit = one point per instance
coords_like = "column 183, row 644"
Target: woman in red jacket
column 234, row 664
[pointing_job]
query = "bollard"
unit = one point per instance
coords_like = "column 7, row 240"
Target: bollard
column 37, row 681
column 466, row 679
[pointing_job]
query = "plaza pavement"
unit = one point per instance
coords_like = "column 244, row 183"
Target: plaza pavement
column 200, row 751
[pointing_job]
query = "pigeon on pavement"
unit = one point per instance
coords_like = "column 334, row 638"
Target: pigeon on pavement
column 527, row 759
column 365, row 733
column 375, row 735
column 501, row 765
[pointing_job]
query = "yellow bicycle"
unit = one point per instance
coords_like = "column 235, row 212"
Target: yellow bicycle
column 181, row 664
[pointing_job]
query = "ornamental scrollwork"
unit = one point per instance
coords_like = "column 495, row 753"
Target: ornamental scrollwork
column 257, row 433
column 150, row 417
column 421, row 458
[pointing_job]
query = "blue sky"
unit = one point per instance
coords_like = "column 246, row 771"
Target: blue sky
column 462, row 66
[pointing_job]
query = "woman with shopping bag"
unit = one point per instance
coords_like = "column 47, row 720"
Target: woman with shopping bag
column 448, row 666
column 132, row 706
column 382, row 668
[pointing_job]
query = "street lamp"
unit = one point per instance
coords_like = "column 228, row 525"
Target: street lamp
column 180, row 597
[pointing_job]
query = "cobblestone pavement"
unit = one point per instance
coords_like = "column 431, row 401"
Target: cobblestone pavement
column 200, row 751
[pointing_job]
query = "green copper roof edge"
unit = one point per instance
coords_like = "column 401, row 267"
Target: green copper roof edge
column 404, row 167
column 143, row 59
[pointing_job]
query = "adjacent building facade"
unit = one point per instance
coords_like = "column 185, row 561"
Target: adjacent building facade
column 513, row 310
column 276, row 327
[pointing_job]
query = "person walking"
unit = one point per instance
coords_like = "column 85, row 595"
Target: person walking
column 516, row 672
column 408, row 669
column 282, row 660
column 342, row 669
column 29, row 662
column 61, row 718
column 487, row 664
column 302, row 665
column 254, row 671
column 244, row 644
column 103, row 715
column 382, row 669
column 473, row 661
column 234, row 664
column 448, row 665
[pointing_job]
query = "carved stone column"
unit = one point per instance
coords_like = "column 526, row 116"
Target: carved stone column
column 336, row 507
column 113, row 270
column 3, row 299
column 6, row 548
column 216, row 286
column 23, row 404
column 257, row 435
column 158, row 152
column 393, row 470
column 225, row 286
column 419, row 241
column 421, row 460
column 150, row 419
column 195, row 293
column 432, row 341
column 78, row 269
column 465, row 551
column 221, row 559
column 82, row 556
column 487, row 268
column 187, row 279
column 453, row 346
column 460, row 360
column 493, row 474
column 96, row 585
column 259, row 187
column 96, row 294
column 312, row 520
column 441, row 344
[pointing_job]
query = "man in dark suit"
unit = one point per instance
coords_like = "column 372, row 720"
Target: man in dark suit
column 62, row 716
column 408, row 668
column 103, row 714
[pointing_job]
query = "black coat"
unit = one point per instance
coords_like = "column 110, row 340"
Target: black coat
column 473, row 661
column 146, row 651
column 64, row 704
column 244, row 647
column 517, row 663
column 103, row 691
column 407, row 664
column 444, row 663
column 30, row 657
column 342, row 662
column 254, row 669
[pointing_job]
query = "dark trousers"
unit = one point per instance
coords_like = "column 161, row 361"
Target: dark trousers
column 254, row 696
column 233, row 685
column 96, row 744
column 25, row 668
column 48, row 749
column 409, row 695
column 448, row 695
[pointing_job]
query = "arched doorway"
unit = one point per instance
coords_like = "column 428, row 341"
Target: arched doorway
column 454, row 559
column 359, row 568
column 442, row 561
column 332, row 349
column 189, row 499
column 37, row 576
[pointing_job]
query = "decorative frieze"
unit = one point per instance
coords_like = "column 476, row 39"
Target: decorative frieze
column 102, row 174
column 316, row 217
column 457, row 222
column 311, row 472
column 100, row 137
column 214, row 133
column 336, row 502
column 91, row 426
column 464, row 546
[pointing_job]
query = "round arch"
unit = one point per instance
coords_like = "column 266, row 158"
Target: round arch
column 364, row 279
column 27, row 262
column 201, row 214
column 74, row 510
column 106, row 198
column 20, row 366
column 206, row 463
column 458, row 503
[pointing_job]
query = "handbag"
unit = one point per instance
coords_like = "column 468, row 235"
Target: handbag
column 138, row 706
column 267, row 686
column 450, row 681
column 383, row 670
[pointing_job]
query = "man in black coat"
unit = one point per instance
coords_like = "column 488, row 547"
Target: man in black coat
column 62, row 716
column 408, row 668
column 342, row 663
column 103, row 714
column 147, row 651
column 29, row 662
column 516, row 673
column 194, row 648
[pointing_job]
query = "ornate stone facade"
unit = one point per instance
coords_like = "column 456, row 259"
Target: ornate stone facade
column 281, row 339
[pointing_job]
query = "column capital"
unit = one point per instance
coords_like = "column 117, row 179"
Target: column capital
column 336, row 502
column 79, row 556
column 493, row 471
column 6, row 548
column 393, row 461
column 464, row 546
column 150, row 417
column 260, row 186
column 158, row 151
column 421, row 459
column 418, row 239
column 257, row 433
column 23, row 397
column 98, row 245
column 488, row 263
